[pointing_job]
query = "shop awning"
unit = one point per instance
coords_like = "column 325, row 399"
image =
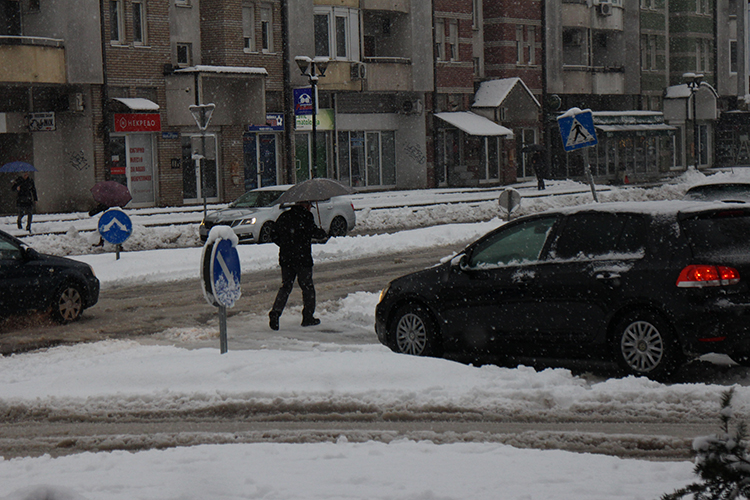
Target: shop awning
column 137, row 103
column 474, row 124
column 648, row 128
column 230, row 70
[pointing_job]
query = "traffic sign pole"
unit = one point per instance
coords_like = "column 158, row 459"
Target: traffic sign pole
column 223, row 347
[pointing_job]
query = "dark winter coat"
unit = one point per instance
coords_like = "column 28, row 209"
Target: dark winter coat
column 26, row 191
column 293, row 232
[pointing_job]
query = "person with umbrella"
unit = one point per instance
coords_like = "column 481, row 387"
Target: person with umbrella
column 26, row 197
column 293, row 232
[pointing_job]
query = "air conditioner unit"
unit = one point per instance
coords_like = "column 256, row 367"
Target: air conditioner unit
column 357, row 71
column 412, row 107
column 604, row 8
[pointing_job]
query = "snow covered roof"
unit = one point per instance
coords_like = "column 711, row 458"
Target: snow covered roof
column 473, row 124
column 492, row 93
column 223, row 69
column 137, row 103
column 682, row 91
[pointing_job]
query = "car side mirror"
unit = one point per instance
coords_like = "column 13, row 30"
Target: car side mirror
column 30, row 254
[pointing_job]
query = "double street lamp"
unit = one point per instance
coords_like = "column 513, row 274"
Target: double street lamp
column 313, row 69
column 693, row 81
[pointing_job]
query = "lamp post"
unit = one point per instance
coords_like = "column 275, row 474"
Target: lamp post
column 313, row 69
column 693, row 81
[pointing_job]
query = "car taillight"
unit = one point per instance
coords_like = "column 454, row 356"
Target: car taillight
column 699, row 276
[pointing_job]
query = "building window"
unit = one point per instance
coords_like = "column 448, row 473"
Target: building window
column 116, row 17
column 266, row 28
column 184, row 55
column 532, row 44
column 182, row 3
column 575, row 47
column 440, row 39
column 139, row 23
column 453, row 40
column 733, row 62
column 336, row 32
column 519, row 44
column 476, row 14
column 248, row 28
column 367, row 158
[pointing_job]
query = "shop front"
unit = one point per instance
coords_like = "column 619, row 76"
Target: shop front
column 260, row 147
column 133, row 149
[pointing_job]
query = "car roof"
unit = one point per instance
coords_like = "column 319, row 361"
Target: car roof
column 654, row 208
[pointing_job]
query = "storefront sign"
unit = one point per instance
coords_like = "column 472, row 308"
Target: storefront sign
column 274, row 123
column 140, row 163
column 324, row 121
column 303, row 104
column 41, row 122
column 137, row 122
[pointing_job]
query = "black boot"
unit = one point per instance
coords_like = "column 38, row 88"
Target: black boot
column 273, row 320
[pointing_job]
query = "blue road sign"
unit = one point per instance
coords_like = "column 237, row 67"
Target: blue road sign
column 115, row 226
column 577, row 129
column 225, row 273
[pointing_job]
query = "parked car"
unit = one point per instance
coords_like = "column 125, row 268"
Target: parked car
column 729, row 191
column 33, row 281
column 252, row 215
column 648, row 285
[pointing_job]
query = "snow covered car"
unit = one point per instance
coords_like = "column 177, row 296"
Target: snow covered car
column 252, row 215
column 730, row 191
column 648, row 285
column 33, row 281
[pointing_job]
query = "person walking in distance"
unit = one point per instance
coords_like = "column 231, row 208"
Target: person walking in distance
column 26, row 197
column 293, row 232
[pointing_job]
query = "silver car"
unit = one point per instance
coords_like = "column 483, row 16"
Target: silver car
column 727, row 191
column 252, row 215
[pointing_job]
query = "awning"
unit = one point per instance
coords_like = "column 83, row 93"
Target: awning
column 474, row 124
column 231, row 70
column 648, row 128
column 137, row 103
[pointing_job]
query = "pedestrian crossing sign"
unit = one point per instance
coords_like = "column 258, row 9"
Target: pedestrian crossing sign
column 577, row 129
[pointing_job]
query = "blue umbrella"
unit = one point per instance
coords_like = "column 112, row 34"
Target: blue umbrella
column 17, row 166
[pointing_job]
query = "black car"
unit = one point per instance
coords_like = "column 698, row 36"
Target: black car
column 649, row 285
column 33, row 281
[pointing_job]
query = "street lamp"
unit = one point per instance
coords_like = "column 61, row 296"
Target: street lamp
column 313, row 69
column 693, row 81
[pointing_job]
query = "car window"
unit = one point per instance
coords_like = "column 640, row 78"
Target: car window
column 601, row 235
column 710, row 192
column 9, row 251
column 726, row 232
column 518, row 243
column 255, row 199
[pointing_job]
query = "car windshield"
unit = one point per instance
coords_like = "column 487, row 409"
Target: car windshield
column 710, row 192
column 725, row 232
column 255, row 199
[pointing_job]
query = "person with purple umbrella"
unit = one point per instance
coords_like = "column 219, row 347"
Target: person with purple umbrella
column 26, row 197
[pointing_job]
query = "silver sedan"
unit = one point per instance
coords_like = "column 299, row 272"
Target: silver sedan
column 252, row 215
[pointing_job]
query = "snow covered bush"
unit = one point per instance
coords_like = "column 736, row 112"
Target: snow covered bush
column 722, row 461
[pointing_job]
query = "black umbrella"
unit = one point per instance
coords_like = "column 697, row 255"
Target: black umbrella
column 317, row 189
column 17, row 166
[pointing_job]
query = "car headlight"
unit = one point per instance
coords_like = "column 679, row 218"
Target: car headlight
column 248, row 222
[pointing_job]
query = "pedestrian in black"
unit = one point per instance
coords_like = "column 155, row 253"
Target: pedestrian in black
column 540, row 169
column 26, row 192
column 293, row 232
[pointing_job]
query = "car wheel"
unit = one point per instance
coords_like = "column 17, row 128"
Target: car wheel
column 414, row 332
column 67, row 303
column 338, row 226
column 265, row 233
column 645, row 346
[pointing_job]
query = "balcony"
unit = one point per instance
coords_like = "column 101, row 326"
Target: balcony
column 26, row 59
column 388, row 74
column 596, row 80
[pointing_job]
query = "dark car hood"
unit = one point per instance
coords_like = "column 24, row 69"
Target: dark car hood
column 436, row 274
column 53, row 260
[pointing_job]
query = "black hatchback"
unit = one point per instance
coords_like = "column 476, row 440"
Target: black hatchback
column 33, row 281
column 649, row 285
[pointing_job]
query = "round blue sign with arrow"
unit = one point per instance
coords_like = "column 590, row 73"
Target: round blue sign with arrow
column 221, row 272
column 115, row 226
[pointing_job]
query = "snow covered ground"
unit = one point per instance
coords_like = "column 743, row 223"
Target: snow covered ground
column 182, row 369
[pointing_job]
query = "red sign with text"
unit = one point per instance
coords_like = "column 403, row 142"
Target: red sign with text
column 137, row 122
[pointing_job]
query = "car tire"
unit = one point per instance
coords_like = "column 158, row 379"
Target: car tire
column 414, row 332
column 338, row 227
column 67, row 303
column 645, row 346
column 264, row 236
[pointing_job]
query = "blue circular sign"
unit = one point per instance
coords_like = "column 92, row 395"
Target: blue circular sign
column 115, row 226
column 222, row 263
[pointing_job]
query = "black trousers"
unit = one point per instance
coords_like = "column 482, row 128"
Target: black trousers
column 28, row 211
column 303, row 275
